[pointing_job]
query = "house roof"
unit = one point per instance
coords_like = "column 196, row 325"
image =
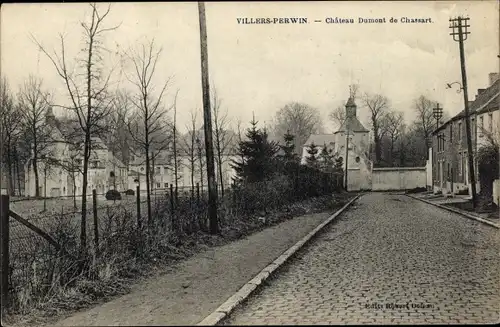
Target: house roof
column 161, row 159
column 320, row 139
column 486, row 101
column 115, row 161
column 354, row 126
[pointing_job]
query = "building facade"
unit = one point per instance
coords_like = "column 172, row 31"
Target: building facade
column 450, row 167
column 60, row 166
column 353, row 133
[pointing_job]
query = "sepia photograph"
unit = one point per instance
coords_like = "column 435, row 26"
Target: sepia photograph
column 249, row 163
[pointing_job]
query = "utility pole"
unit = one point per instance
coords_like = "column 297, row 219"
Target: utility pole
column 212, row 191
column 437, row 112
column 346, row 149
column 459, row 32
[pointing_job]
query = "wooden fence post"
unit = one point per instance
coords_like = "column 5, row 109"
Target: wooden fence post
column 138, row 202
column 173, row 222
column 96, row 222
column 4, row 250
column 198, row 193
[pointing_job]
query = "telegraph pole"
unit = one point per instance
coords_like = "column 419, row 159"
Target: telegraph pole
column 212, row 191
column 346, row 149
column 459, row 32
column 437, row 112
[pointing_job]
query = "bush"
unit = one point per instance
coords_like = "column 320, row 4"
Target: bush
column 129, row 192
column 113, row 195
column 488, row 168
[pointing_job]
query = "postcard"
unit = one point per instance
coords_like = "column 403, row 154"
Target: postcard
column 250, row 163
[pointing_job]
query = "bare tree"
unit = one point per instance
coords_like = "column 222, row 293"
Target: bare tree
column 149, row 123
column 300, row 119
column 337, row 116
column 377, row 105
column 239, row 134
column 200, row 150
column 119, row 138
column 87, row 89
column 394, row 121
column 34, row 103
column 10, row 131
column 222, row 137
column 189, row 147
column 425, row 121
column 175, row 152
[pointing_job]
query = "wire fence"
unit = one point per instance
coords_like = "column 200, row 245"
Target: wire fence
column 43, row 251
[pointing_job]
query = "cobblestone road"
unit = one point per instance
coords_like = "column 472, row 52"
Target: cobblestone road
column 389, row 259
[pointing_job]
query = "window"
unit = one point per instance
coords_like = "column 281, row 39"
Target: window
column 481, row 126
column 142, row 168
column 357, row 159
column 158, row 185
column 158, row 170
column 166, row 185
column 490, row 122
column 460, row 132
column 459, row 164
column 451, row 133
column 473, row 127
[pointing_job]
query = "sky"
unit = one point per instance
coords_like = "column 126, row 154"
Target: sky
column 258, row 68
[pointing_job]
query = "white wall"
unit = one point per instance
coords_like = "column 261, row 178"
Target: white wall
column 398, row 178
column 496, row 191
column 428, row 170
column 495, row 122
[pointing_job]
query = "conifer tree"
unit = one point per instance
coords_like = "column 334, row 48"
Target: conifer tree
column 326, row 159
column 288, row 148
column 258, row 156
column 312, row 159
column 339, row 163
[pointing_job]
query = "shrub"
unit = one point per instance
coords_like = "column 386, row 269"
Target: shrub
column 129, row 192
column 113, row 195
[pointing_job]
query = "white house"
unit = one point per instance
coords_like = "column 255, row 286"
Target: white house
column 60, row 166
column 353, row 133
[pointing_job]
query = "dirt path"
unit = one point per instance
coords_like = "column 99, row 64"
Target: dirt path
column 199, row 285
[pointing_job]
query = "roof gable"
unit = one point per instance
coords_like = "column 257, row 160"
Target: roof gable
column 354, row 126
column 486, row 101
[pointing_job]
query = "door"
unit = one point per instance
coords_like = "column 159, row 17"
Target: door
column 441, row 174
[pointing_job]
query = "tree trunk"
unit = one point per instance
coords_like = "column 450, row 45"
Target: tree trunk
column 74, row 189
column 83, row 225
column 378, row 152
column 175, row 161
column 192, row 175
column 37, row 178
column 392, row 151
column 10, row 179
column 18, row 172
column 148, row 183
column 221, row 183
column 201, row 170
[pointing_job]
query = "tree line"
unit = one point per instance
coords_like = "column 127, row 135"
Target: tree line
column 395, row 142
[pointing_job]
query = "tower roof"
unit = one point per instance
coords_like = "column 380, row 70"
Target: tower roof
column 350, row 102
column 354, row 126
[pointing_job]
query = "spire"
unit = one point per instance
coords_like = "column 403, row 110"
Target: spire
column 50, row 118
column 350, row 108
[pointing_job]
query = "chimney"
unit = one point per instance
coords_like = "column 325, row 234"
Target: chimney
column 493, row 78
column 479, row 91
